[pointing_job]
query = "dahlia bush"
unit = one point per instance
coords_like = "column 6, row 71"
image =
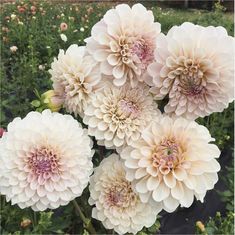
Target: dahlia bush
column 135, row 93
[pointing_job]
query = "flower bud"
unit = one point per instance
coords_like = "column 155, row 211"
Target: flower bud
column 25, row 223
column 201, row 226
column 52, row 100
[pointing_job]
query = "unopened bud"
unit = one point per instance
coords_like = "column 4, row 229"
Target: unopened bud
column 52, row 100
column 25, row 223
column 201, row 226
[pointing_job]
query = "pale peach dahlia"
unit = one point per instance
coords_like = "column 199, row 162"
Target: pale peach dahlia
column 45, row 160
column 123, row 43
column 116, row 116
column 117, row 205
column 172, row 162
column 75, row 77
column 194, row 66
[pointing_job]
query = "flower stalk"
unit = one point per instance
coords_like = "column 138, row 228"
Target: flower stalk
column 86, row 221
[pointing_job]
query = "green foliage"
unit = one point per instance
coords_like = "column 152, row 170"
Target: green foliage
column 220, row 126
column 218, row 225
column 227, row 196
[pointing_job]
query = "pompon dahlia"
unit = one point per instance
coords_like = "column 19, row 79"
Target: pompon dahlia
column 123, row 43
column 117, row 206
column 195, row 68
column 116, row 116
column 75, row 76
column 172, row 162
column 45, row 160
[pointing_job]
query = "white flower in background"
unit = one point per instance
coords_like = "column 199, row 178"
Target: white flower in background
column 117, row 206
column 13, row 16
column 172, row 162
column 75, row 76
column 116, row 116
column 41, row 67
column 82, row 29
column 45, row 160
column 13, row 49
column 195, row 68
column 63, row 37
column 123, row 43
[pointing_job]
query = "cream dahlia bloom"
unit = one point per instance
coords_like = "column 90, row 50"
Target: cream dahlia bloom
column 123, row 43
column 116, row 116
column 194, row 67
column 75, row 77
column 45, row 160
column 172, row 162
column 117, row 206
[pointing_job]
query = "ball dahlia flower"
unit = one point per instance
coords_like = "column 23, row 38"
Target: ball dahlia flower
column 172, row 162
column 194, row 66
column 123, row 43
column 75, row 76
column 45, row 160
column 117, row 205
column 116, row 116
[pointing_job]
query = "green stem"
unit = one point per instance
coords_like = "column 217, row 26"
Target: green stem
column 34, row 219
column 86, row 221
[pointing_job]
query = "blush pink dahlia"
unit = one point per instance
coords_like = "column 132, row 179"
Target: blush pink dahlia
column 117, row 205
column 123, row 43
column 116, row 116
column 172, row 162
column 195, row 67
column 75, row 77
column 45, row 160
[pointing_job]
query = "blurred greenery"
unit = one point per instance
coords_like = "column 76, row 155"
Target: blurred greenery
column 37, row 37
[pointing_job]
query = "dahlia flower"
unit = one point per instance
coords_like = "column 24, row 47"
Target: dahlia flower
column 172, row 162
column 194, row 67
column 117, row 205
column 75, row 76
column 116, row 116
column 63, row 26
column 45, row 160
column 123, row 43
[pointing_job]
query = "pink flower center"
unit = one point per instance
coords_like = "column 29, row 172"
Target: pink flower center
column 191, row 78
column 167, row 155
column 120, row 195
column 143, row 51
column 129, row 108
column 44, row 162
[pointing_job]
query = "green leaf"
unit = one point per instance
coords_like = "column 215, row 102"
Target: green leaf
column 36, row 103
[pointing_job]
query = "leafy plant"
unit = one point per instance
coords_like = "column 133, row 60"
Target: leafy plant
column 217, row 225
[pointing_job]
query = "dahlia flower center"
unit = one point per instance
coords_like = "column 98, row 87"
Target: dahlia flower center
column 191, row 77
column 75, row 85
column 44, row 161
column 138, row 51
column 167, row 155
column 128, row 108
column 143, row 51
column 120, row 195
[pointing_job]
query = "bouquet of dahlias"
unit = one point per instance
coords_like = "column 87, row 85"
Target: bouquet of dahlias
column 149, row 159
